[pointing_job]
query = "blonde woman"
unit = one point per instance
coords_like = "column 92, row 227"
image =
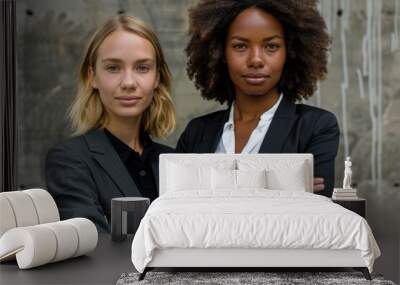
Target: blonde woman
column 123, row 99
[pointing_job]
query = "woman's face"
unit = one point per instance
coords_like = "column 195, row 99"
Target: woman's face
column 125, row 74
column 255, row 53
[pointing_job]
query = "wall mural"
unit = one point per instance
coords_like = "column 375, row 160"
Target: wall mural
column 369, row 72
column 362, row 88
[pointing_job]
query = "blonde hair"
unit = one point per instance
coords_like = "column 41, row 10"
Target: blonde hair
column 87, row 111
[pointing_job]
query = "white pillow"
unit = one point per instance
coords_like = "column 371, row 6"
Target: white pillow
column 223, row 179
column 181, row 177
column 193, row 174
column 226, row 179
column 293, row 180
column 251, row 178
column 280, row 174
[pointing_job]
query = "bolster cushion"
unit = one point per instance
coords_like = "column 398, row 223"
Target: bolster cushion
column 40, row 244
column 26, row 208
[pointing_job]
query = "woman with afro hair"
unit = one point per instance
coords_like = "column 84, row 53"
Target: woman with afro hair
column 261, row 57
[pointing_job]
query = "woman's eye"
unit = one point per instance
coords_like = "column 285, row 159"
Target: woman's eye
column 239, row 46
column 272, row 47
column 143, row 68
column 112, row 68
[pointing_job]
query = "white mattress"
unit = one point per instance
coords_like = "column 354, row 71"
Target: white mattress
column 252, row 218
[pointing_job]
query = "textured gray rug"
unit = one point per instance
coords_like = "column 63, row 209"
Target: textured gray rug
column 243, row 278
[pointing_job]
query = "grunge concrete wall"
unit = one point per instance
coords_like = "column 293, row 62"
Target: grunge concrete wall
column 363, row 91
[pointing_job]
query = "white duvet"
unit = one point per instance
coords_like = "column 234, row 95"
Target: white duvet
column 250, row 219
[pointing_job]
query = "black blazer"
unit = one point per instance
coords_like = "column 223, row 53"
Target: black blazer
column 84, row 173
column 295, row 128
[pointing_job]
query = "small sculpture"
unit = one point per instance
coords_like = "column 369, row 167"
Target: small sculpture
column 347, row 174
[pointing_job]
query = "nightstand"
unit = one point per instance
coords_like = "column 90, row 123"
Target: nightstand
column 356, row 205
column 126, row 214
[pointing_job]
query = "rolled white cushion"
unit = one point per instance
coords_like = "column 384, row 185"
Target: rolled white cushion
column 23, row 208
column 40, row 244
column 45, row 205
column 87, row 235
column 33, row 246
column 67, row 240
column 7, row 218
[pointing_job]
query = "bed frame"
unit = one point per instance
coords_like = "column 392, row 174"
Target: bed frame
column 245, row 259
column 249, row 259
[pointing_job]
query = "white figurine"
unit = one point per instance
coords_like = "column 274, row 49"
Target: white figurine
column 347, row 174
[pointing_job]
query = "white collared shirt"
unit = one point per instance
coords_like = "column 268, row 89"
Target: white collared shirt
column 227, row 141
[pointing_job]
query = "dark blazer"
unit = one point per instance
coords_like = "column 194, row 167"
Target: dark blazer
column 84, row 173
column 295, row 128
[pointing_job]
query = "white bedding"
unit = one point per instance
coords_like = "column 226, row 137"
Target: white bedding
column 251, row 218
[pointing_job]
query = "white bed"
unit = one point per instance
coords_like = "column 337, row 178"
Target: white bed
column 218, row 210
